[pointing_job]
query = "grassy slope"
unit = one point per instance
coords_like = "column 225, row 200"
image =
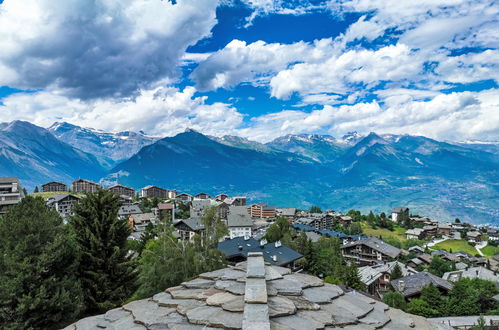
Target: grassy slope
column 456, row 246
column 490, row 250
column 46, row 195
column 398, row 234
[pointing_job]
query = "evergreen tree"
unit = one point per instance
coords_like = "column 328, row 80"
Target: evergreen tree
column 25, row 192
column 421, row 307
column 395, row 299
column 36, row 190
column 396, row 272
column 151, row 232
column 351, row 277
column 39, row 287
column 106, row 272
column 433, row 297
column 277, row 230
column 315, row 209
column 438, row 266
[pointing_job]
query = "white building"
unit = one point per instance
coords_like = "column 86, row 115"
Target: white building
column 240, row 224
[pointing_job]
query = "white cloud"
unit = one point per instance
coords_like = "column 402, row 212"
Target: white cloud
column 97, row 48
column 455, row 116
column 162, row 111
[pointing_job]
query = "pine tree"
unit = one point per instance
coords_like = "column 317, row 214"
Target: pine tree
column 36, row 190
column 39, row 287
column 395, row 300
column 106, row 272
column 396, row 272
column 351, row 277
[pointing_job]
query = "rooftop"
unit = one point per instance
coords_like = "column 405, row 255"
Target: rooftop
column 376, row 244
column 254, row 295
column 412, row 284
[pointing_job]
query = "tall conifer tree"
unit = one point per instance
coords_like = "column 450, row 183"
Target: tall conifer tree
column 39, row 288
column 106, row 272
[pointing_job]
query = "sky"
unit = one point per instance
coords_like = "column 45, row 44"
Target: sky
column 254, row 68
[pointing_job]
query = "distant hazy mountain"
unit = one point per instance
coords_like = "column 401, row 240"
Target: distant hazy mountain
column 192, row 162
column 374, row 172
column 34, row 155
column 321, row 148
column 113, row 146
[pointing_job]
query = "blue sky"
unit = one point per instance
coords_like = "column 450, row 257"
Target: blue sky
column 254, row 68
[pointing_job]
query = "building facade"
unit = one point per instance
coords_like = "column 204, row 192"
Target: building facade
column 122, row 190
column 63, row 203
column 153, row 191
column 83, row 186
column 11, row 193
column 54, row 187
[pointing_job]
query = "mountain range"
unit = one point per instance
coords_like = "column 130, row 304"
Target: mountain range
column 374, row 172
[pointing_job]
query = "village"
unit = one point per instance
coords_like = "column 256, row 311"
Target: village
column 375, row 255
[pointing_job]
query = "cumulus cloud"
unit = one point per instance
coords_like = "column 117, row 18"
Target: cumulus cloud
column 455, row 116
column 162, row 111
column 90, row 49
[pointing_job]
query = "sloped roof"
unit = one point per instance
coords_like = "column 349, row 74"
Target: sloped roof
column 240, row 247
column 369, row 274
column 194, row 223
column 472, row 272
column 376, row 244
column 59, row 197
column 257, row 296
column 239, row 220
column 302, row 227
column 399, row 209
column 413, row 284
column 129, row 209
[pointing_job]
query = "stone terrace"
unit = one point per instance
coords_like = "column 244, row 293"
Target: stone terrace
column 254, row 296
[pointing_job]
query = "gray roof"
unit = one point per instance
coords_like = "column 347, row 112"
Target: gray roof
column 314, row 237
column 376, row 244
column 415, row 231
column 238, row 209
column 194, row 223
column 239, row 220
column 129, row 209
column 141, row 217
column 413, row 284
column 472, row 272
column 399, row 209
column 287, row 212
column 59, row 197
column 254, row 295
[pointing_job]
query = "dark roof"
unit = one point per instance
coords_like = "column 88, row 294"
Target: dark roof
column 53, row 182
column 333, row 233
column 302, row 227
column 376, row 244
column 399, row 209
column 193, row 223
column 59, row 197
column 240, row 247
column 413, row 284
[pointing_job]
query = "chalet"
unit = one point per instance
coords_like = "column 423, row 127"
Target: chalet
column 165, row 210
column 126, row 210
column 183, row 197
column 202, row 196
column 369, row 251
column 416, row 233
column 11, row 193
column 153, row 191
column 474, row 236
column 82, row 186
column 187, row 228
column 471, row 272
column 321, row 221
column 262, row 210
column 398, row 211
column 221, row 197
column 344, row 220
column 416, row 249
column 444, row 229
column 288, row 213
column 377, row 278
column 237, row 249
column 122, row 190
column 493, row 234
column 139, row 222
column 54, row 187
column 239, row 224
column 411, row 286
column 422, row 259
column 430, row 231
column 63, row 203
